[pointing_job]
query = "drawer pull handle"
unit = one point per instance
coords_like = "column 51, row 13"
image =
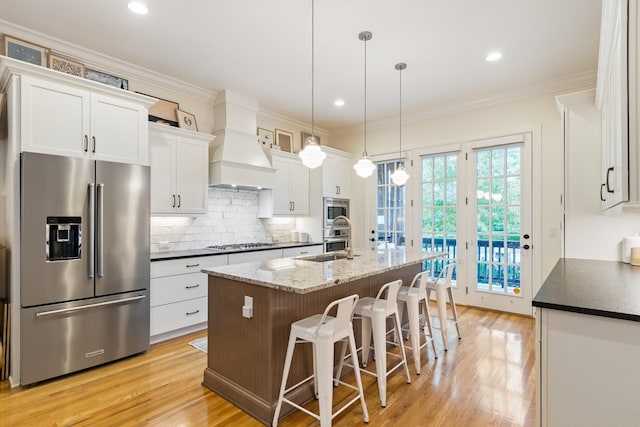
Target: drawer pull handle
column 192, row 265
column 191, row 286
column 192, row 312
column 304, row 252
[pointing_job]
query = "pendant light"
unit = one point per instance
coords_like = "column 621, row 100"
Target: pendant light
column 365, row 166
column 312, row 155
column 400, row 176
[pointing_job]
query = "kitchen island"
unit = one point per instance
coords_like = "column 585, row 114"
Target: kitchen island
column 246, row 354
column 588, row 344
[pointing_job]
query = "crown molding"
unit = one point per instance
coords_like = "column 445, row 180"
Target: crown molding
column 270, row 115
column 108, row 64
column 564, row 84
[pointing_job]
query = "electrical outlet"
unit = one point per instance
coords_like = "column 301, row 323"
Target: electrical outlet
column 247, row 308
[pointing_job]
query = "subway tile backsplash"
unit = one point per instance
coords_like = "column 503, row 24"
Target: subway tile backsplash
column 232, row 218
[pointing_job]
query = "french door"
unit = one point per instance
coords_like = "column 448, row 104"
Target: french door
column 474, row 205
column 499, row 255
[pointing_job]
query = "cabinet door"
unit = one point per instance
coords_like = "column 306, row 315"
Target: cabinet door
column 280, row 193
column 162, row 150
column 329, row 186
column 54, row 118
column 118, row 130
column 191, row 176
column 299, row 188
column 342, row 174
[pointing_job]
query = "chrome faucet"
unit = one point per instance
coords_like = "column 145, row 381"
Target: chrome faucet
column 348, row 249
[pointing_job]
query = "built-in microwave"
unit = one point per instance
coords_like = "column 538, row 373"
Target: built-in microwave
column 334, row 208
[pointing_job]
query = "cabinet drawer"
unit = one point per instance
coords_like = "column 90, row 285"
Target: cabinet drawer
column 165, row 290
column 186, row 265
column 305, row 250
column 178, row 315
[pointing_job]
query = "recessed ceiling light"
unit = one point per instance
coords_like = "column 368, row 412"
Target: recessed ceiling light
column 494, row 56
column 338, row 103
column 138, row 7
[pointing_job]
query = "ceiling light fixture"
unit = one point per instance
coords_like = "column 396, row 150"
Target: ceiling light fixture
column 399, row 177
column 494, row 56
column 338, row 103
column 312, row 155
column 365, row 166
column 138, row 7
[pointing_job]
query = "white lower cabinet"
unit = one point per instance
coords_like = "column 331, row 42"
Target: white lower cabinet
column 587, row 369
column 179, row 295
column 179, row 289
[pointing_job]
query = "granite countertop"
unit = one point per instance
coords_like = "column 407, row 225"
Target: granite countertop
column 166, row 255
column 302, row 276
column 599, row 288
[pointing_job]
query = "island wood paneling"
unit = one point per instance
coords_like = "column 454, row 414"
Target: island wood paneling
column 246, row 366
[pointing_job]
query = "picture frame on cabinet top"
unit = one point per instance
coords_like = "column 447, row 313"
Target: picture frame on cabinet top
column 107, row 79
column 284, row 140
column 65, row 65
column 24, row 51
column 265, row 137
column 187, row 120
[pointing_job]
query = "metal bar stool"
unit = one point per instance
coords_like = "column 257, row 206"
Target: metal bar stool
column 415, row 297
column 374, row 313
column 442, row 286
column 323, row 331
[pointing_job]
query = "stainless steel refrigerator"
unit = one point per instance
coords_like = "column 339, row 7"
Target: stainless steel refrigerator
column 84, row 263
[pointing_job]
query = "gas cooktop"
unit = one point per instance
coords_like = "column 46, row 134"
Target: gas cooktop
column 240, row 246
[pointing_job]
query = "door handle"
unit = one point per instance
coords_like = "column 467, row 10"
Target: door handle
column 179, row 201
column 100, row 233
column 86, row 143
column 602, row 198
column 93, row 138
column 609, row 189
column 84, row 307
column 92, row 230
column 526, row 247
column 174, row 201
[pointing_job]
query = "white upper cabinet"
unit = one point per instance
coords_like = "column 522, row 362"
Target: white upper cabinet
column 336, row 177
column 617, row 99
column 74, row 121
column 179, row 170
column 290, row 193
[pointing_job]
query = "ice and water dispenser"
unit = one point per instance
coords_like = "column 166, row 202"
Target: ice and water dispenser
column 64, row 237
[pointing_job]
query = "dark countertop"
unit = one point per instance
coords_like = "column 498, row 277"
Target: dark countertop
column 599, row 288
column 163, row 256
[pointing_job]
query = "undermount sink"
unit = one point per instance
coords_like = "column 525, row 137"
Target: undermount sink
column 327, row 257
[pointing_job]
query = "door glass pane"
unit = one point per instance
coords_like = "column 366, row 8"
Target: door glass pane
column 439, row 207
column 498, row 223
column 390, row 223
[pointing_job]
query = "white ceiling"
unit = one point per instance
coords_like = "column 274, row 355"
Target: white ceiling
column 263, row 48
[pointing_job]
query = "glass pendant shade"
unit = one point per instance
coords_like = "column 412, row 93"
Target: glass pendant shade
column 312, row 155
column 400, row 176
column 365, row 167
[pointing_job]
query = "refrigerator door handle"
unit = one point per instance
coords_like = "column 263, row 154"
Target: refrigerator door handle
column 84, row 307
column 92, row 231
column 100, row 233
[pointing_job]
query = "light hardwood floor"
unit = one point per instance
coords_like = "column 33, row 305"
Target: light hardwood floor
column 485, row 379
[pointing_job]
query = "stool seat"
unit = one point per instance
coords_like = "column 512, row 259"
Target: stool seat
column 414, row 297
column 323, row 331
column 442, row 285
column 374, row 313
